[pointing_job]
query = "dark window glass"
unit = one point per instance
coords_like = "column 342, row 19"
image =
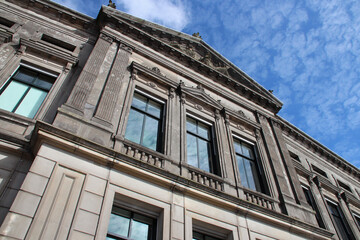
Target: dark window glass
column 200, row 152
column 310, row 200
column 247, row 164
column 126, row 224
column 319, row 171
column 357, row 219
column 25, row 92
column 144, row 123
column 201, row 236
column 339, row 221
column 294, row 156
column 344, row 186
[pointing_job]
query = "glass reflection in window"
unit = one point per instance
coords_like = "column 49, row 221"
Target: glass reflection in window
column 25, row 92
column 125, row 224
column 199, row 146
column 247, row 165
column 144, row 123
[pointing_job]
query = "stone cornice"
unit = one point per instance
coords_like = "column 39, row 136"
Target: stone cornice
column 45, row 133
column 317, row 147
column 57, row 12
column 245, row 88
column 54, row 51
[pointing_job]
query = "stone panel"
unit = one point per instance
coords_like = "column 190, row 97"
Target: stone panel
column 57, row 208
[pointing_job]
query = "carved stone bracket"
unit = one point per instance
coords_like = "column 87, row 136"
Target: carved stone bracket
column 126, row 48
column 172, row 93
column 106, row 37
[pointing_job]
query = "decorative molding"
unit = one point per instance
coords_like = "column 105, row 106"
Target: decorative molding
column 59, row 53
column 151, row 84
column 196, row 55
column 198, row 107
column 106, row 37
column 172, row 93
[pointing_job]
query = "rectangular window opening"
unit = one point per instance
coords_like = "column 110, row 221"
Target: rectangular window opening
column 5, row 22
column 319, row 171
column 127, row 224
column 340, row 223
column 200, row 145
column 58, row 42
column 344, row 186
column 248, row 165
column 145, row 122
column 294, row 156
column 25, row 91
column 311, row 201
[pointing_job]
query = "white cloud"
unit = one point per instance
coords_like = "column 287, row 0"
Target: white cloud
column 171, row 13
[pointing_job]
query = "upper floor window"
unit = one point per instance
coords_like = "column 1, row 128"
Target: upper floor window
column 200, row 149
column 125, row 224
column 247, row 165
column 144, row 125
column 311, row 201
column 341, row 225
column 25, row 91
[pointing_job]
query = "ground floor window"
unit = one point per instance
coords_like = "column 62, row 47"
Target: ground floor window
column 202, row 236
column 125, row 224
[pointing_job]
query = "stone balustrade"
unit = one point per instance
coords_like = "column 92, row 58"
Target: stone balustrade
column 259, row 199
column 206, row 179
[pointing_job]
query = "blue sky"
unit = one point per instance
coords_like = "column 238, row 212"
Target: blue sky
column 307, row 51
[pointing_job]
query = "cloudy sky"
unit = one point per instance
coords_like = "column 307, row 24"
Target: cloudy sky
column 307, row 51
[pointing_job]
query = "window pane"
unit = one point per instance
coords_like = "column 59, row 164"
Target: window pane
column 154, row 108
column 203, row 130
column 31, row 103
column 191, row 125
column 139, row 230
column 139, row 102
column 247, row 151
column 12, row 95
column 25, row 75
column 134, row 126
column 43, row 82
column 203, row 155
column 119, row 225
column 191, row 145
column 242, row 171
column 237, row 146
column 150, row 133
column 250, row 175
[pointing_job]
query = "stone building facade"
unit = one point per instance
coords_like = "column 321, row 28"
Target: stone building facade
column 118, row 128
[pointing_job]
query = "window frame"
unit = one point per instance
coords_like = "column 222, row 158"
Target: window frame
column 152, row 227
column 345, row 225
column 38, row 73
column 214, row 161
column 312, row 202
column 161, row 120
column 257, row 161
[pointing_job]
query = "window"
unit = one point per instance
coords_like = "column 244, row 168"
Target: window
column 247, row 165
column 294, row 156
column 25, row 91
column 357, row 219
column 145, row 122
column 344, row 186
column 125, row 224
column 200, row 149
column 201, row 236
column 311, row 201
column 339, row 221
column 319, row 171
column 58, row 42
